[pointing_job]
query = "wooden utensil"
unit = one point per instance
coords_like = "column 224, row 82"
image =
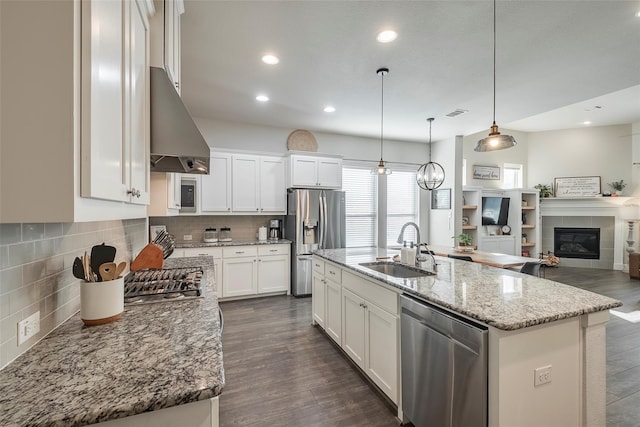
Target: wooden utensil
column 107, row 271
column 119, row 269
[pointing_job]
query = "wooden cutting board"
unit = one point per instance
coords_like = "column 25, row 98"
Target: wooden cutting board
column 149, row 257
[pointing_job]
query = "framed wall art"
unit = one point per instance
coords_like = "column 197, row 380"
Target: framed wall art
column 577, row 186
column 486, row 172
column 441, row 199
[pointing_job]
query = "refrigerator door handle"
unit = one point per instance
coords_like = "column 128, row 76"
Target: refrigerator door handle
column 323, row 220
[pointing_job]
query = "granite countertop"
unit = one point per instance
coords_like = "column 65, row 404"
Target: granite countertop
column 502, row 298
column 232, row 243
column 156, row 356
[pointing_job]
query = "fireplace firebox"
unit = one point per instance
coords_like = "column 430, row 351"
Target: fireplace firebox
column 576, row 242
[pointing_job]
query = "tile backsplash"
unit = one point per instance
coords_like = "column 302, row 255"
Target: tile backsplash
column 35, row 271
column 243, row 228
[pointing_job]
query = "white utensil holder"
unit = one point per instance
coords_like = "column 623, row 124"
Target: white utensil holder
column 101, row 302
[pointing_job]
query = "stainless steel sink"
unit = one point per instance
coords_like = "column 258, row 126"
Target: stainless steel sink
column 396, row 270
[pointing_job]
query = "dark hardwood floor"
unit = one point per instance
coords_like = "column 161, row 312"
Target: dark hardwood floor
column 281, row 371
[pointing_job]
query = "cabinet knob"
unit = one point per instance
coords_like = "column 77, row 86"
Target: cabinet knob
column 134, row 192
column 229, row 209
column 257, row 209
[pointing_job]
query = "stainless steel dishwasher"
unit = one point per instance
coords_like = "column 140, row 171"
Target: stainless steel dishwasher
column 444, row 367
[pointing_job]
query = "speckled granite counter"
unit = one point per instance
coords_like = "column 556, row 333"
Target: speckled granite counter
column 501, row 298
column 184, row 245
column 157, row 356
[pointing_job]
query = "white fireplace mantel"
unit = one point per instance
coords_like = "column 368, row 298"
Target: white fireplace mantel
column 621, row 208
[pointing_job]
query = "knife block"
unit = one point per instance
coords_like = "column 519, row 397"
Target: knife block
column 149, row 257
column 101, row 302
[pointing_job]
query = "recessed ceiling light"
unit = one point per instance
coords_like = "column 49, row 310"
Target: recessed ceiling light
column 329, row 109
column 262, row 98
column 386, row 36
column 586, row 122
column 270, row 59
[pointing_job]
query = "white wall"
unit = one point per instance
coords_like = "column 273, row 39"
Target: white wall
column 603, row 151
column 442, row 221
column 517, row 155
column 242, row 136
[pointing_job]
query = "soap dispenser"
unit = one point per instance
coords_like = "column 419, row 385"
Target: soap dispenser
column 411, row 254
column 404, row 253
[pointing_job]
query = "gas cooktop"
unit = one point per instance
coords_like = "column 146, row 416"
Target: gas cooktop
column 163, row 285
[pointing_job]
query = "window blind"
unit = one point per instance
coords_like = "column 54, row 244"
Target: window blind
column 360, row 206
column 402, row 206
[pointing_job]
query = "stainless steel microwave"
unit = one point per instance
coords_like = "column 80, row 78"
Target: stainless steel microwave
column 188, row 195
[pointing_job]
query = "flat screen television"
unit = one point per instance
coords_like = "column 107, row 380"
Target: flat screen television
column 495, row 210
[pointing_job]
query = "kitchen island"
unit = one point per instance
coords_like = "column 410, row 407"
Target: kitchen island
column 532, row 323
column 157, row 356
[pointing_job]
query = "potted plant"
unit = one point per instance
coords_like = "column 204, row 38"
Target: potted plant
column 618, row 186
column 545, row 190
column 464, row 241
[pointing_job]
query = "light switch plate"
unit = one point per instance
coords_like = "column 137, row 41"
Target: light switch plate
column 28, row 327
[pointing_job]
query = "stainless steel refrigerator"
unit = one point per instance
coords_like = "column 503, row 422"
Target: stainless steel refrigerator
column 315, row 220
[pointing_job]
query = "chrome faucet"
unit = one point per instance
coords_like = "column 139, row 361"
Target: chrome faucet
column 419, row 257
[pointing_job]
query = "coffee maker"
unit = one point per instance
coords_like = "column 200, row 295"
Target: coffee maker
column 275, row 229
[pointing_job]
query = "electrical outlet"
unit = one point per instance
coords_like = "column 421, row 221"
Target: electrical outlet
column 187, row 237
column 542, row 375
column 28, row 327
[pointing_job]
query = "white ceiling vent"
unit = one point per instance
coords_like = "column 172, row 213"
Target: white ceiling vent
column 456, row 113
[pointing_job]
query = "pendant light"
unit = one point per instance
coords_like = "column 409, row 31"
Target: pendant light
column 495, row 141
column 381, row 169
column 430, row 175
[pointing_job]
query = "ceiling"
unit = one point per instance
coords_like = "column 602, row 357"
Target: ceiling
column 555, row 60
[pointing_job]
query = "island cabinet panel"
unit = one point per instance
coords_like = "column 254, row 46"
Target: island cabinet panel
column 318, row 296
column 514, row 399
column 381, row 363
column 333, row 312
column 353, row 327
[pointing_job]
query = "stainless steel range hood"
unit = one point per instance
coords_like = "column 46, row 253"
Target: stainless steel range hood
column 176, row 142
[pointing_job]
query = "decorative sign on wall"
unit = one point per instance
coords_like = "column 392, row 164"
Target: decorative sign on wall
column 577, row 186
column 441, row 199
column 486, row 172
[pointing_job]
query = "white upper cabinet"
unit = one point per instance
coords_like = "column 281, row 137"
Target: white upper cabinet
column 216, row 187
column 272, row 184
column 115, row 102
column 315, row 171
column 258, row 184
column 83, row 125
column 166, row 38
column 246, row 184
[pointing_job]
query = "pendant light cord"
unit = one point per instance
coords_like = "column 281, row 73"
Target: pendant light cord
column 430, row 122
column 494, row 62
column 381, row 114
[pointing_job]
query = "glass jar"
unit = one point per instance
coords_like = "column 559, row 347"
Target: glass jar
column 225, row 234
column 210, row 235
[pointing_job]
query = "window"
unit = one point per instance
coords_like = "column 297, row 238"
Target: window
column 402, row 205
column 361, row 206
column 512, row 176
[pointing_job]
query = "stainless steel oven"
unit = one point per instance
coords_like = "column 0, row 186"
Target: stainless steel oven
column 188, row 195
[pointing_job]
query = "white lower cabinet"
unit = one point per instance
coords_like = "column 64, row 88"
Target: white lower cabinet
column 333, row 314
column 353, row 327
column 318, row 297
column 239, row 276
column 242, row 271
column 360, row 315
